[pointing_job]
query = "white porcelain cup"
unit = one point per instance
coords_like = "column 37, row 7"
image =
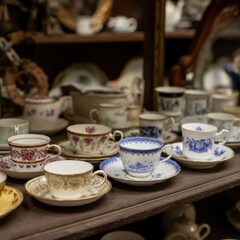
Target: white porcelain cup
column 29, row 151
column 92, row 138
column 198, row 139
column 3, row 180
column 223, row 120
column 141, row 155
column 170, row 99
column 10, row 127
column 196, row 102
column 84, row 25
column 155, row 125
column 109, row 114
column 69, row 179
column 122, row 24
column 219, row 101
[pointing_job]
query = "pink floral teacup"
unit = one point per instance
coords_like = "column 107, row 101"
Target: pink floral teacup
column 29, row 152
column 92, row 139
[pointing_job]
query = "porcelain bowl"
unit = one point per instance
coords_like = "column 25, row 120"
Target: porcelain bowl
column 83, row 103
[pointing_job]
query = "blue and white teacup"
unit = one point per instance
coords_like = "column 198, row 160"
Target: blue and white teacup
column 141, row 155
column 155, row 125
column 199, row 138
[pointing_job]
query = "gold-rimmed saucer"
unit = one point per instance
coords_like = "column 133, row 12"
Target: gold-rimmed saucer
column 69, row 152
column 37, row 188
column 10, row 199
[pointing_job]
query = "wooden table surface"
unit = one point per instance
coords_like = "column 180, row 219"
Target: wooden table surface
column 124, row 204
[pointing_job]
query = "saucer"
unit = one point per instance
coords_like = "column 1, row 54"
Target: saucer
column 68, row 151
column 233, row 216
column 221, row 153
column 6, row 166
column 10, row 199
column 171, row 137
column 37, row 187
column 48, row 128
column 164, row 171
column 234, row 137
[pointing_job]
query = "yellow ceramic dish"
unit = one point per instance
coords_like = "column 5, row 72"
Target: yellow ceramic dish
column 10, row 199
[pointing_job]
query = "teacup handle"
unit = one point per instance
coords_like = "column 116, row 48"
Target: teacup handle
column 204, row 230
column 104, row 179
column 16, row 129
column 93, row 115
column 115, row 133
column 226, row 134
column 58, row 151
column 170, row 122
column 132, row 24
column 171, row 152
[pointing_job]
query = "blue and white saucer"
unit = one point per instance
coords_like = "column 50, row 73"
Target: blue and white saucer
column 164, row 171
column 220, row 154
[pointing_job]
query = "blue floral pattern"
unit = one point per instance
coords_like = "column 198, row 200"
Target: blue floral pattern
column 198, row 146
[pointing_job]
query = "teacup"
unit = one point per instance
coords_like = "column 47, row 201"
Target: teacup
column 198, row 139
column 10, row 127
column 84, row 25
column 92, row 138
column 69, row 179
column 3, row 180
column 196, row 102
column 109, row 114
column 170, row 99
column 122, row 24
column 155, row 125
column 141, row 155
column 29, row 151
column 219, row 101
column 223, row 120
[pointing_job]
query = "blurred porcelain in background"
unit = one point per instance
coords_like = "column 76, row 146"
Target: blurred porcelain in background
column 84, row 26
column 196, row 102
column 122, row 24
column 122, row 235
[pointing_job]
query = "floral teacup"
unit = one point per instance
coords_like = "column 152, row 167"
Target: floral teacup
column 92, row 138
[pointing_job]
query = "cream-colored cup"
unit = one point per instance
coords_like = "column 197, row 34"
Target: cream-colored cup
column 10, row 127
column 69, row 179
column 109, row 114
column 29, row 152
column 92, row 139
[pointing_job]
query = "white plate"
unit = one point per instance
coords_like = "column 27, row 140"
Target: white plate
column 69, row 152
column 164, row 171
column 170, row 137
column 49, row 128
column 37, row 187
column 6, row 166
column 221, row 153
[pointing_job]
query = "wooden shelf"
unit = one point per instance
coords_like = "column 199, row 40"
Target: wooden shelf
column 97, row 38
column 121, row 206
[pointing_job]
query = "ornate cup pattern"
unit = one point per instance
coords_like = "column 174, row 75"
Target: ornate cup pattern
column 140, row 155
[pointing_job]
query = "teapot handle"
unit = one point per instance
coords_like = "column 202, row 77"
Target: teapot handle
column 204, row 230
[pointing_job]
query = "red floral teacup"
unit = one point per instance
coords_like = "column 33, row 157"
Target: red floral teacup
column 92, row 139
column 29, row 152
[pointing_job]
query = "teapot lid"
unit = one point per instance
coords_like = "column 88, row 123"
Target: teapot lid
column 39, row 99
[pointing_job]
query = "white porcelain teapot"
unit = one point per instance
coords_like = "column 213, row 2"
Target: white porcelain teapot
column 45, row 109
column 185, row 229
